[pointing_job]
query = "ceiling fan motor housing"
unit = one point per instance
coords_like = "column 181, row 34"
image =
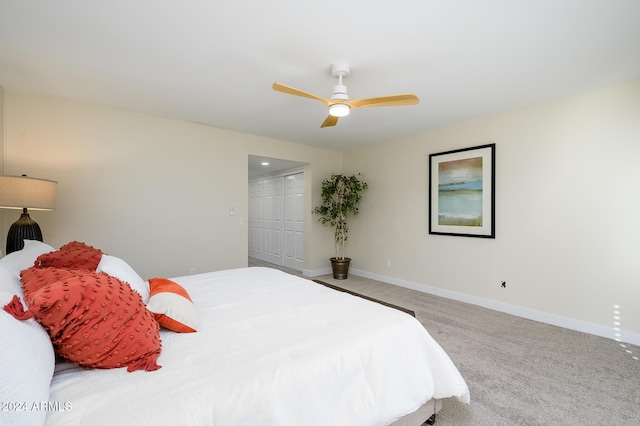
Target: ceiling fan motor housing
column 340, row 92
column 340, row 71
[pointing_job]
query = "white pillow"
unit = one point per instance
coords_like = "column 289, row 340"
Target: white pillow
column 172, row 306
column 27, row 362
column 10, row 281
column 120, row 269
column 23, row 259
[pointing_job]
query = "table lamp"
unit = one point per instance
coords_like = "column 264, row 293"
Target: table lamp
column 22, row 192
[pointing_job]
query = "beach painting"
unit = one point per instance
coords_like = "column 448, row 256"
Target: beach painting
column 461, row 192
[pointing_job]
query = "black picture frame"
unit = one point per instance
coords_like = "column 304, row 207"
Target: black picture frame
column 462, row 192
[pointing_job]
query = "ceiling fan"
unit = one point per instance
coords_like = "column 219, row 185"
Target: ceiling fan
column 339, row 103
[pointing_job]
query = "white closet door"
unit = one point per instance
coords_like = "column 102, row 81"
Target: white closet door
column 294, row 221
column 251, row 219
column 273, row 220
column 276, row 224
column 256, row 223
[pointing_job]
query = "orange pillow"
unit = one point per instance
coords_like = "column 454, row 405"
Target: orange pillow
column 33, row 279
column 171, row 306
column 95, row 320
column 74, row 255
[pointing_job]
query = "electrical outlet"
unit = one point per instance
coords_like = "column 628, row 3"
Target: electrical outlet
column 388, row 263
column 503, row 284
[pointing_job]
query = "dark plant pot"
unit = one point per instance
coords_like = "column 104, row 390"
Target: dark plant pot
column 340, row 267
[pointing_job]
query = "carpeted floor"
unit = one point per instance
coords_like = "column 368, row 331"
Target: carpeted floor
column 521, row 372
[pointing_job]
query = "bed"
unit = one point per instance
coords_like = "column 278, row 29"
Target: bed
column 270, row 349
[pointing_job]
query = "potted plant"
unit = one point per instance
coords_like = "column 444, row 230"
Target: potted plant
column 340, row 197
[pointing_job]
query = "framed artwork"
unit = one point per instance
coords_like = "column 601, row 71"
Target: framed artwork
column 462, row 192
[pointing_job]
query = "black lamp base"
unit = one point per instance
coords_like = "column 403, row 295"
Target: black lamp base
column 22, row 229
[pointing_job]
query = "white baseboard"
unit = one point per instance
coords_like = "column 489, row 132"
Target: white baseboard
column 316, row 272
column 582, row 326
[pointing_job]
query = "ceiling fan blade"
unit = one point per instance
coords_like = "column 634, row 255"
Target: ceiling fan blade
column 329, row 121
column 297, row 92
column 391, row 100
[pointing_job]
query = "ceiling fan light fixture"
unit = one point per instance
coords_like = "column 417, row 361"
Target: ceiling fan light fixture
column 339, row 110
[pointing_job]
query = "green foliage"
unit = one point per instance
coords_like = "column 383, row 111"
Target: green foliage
column 340, row 197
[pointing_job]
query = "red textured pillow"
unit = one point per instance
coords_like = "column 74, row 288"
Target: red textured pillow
column 74, row 255
column 33, row 279
column 95, row 320
column 171, row 306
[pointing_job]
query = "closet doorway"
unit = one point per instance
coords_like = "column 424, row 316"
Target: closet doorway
column 276, row 208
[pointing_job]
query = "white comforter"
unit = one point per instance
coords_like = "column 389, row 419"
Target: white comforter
column 273, row 349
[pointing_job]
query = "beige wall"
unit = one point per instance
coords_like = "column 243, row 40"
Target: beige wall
column 153, row 191
column 567, row 213
column 3, row 228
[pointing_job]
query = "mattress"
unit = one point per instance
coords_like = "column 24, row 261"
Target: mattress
column 272, row 349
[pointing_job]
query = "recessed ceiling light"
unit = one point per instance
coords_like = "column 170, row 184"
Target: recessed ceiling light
column 265, row 163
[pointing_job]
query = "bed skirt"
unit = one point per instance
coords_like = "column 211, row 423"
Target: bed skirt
column 427, row 411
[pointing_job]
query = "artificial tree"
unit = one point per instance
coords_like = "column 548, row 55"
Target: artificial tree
column 341, row 195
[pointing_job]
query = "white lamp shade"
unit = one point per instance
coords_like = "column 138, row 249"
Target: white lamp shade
column 18, row 192
column 339, row 110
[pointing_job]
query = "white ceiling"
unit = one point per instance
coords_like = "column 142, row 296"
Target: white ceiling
column 264, row 166
column 213, row 62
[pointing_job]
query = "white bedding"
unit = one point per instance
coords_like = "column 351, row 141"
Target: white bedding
column 273, row 349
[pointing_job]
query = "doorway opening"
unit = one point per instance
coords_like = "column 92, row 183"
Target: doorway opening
column 276, row 212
